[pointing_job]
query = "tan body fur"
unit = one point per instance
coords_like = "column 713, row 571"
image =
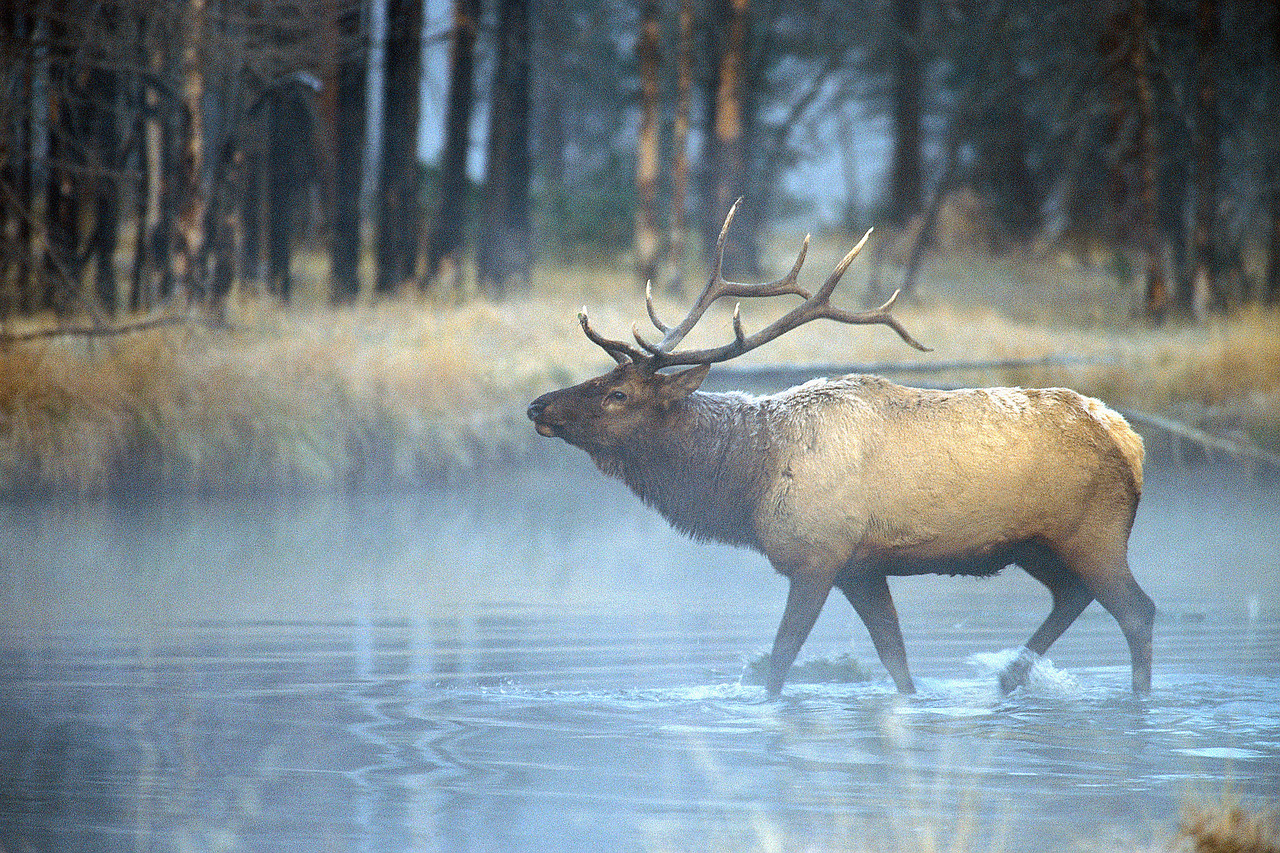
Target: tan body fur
column 865, row 468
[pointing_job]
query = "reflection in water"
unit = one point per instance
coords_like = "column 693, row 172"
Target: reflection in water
column 507, row 665
column 368, row 737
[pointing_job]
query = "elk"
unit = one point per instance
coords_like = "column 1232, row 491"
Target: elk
column 845, row 482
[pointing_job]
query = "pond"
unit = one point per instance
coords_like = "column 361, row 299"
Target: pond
column 530, row 660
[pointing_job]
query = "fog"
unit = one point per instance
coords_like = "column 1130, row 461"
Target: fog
column 529, row 658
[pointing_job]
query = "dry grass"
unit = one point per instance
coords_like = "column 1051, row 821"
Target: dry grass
column 408, row 390
column 395, row 393
column 1229, row 826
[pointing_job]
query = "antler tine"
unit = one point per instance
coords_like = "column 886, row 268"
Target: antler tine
column 878, row 316
column 739, row 336
column 652, row 349
column 672, row 336
column 620, row 351
column 814, row 307
column 720, row 241
column 824, row 293
column 719, row 287
column 654, row 357
column 653, row 314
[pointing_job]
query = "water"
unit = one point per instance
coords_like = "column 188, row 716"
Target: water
column 532, row 661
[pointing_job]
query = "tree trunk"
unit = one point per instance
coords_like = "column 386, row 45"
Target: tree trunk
column 62, row 195
column 728, row 154
column 103, row 89
column 190, row 235
column 253, row 202
column 15, row 168
column 1271, row 128
column 906, row 170
column 348, row 157
column 680, row 148
column 282, row 133
column 444, row 252
column 1196, row 298
column 147, row 201
column 398, row 216
column 647, row 246
column 1003, row 173
column 168, row 195
column 504, row 255
column 10, row 155
column 1271, row 286
column 1156, row 291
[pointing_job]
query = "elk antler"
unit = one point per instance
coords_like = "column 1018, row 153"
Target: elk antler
column 815, row 306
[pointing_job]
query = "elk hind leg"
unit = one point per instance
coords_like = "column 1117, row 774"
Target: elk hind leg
column 1071, row 595
column 1134, row 610
column 869, row 595
column 1106, row 572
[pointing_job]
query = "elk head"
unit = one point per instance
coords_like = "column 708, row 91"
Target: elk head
column 606, row 413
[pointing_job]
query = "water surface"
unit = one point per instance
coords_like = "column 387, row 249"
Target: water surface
column 530, row 660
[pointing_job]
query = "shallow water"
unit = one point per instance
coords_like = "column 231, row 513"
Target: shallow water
column 533, row 661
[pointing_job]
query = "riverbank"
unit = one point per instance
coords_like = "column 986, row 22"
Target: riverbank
column 407, row 391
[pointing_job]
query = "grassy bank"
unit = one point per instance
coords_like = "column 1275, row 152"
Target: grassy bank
column 407, row 391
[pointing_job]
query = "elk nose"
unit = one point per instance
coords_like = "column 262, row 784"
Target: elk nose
column 535, row 409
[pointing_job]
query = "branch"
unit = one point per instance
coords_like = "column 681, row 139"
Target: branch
column 7, row 338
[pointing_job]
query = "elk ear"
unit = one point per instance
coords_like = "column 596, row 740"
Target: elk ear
column 680, row 385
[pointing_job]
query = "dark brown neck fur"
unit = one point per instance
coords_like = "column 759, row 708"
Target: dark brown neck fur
column 699, row 467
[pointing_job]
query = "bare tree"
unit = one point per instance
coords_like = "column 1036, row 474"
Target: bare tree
column 190, row 234
column 1205, row 139
column 727, row 158
column 398, row 213
column 504, row 254
column 16, row 183
column 1271, row 153
column 906, row 170
column 647, row 246
column 1157, row 291
column 348, row 138
column 680, row 146
column 444, row 252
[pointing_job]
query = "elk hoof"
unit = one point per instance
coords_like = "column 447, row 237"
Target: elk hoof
column 1015, row 674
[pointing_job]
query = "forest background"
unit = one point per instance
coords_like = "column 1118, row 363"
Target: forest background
column 236, row 250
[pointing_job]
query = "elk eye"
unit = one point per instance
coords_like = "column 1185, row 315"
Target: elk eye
column 617, row 396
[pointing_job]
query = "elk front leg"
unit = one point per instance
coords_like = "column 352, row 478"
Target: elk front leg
column 869, row 595
column 804, row 602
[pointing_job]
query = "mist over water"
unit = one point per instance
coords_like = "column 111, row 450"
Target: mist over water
column 531, row 660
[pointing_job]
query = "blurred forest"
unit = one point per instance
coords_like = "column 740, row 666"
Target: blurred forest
column 165, row 152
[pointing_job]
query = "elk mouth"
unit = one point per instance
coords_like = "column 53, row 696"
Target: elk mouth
column 536, row 410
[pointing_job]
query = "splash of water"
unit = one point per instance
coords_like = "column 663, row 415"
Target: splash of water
column 1043, row 678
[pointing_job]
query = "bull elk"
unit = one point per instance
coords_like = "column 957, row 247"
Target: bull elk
column 845, row 482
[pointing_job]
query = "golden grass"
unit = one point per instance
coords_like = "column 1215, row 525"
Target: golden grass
column 407, row 390
column 1230, row 826
column 395, row 393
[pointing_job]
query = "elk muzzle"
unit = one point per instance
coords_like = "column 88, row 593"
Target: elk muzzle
column 547, row 418
column 536, row 411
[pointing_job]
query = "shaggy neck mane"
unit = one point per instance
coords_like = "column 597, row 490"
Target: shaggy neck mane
column 695, row 467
